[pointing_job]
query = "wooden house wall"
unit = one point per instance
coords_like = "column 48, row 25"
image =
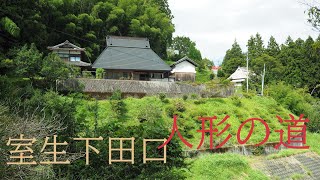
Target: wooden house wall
column 185, row 76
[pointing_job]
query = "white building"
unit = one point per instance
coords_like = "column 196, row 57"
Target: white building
column 184, row 70
column 239, row 76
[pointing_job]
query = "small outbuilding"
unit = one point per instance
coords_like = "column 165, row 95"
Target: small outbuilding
column 184, row 70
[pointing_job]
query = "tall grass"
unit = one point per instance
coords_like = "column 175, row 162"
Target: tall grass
column 223, row 167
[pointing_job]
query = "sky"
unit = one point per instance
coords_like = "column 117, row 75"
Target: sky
column 215, row 24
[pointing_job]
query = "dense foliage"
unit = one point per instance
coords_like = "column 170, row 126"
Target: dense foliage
column 182, row 46
column 84, row 22
column 295, row 62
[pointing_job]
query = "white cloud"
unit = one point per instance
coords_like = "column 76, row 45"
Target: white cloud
column 215, row 24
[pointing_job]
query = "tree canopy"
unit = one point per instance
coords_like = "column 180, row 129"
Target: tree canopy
column 295, row 62
column 84, row 22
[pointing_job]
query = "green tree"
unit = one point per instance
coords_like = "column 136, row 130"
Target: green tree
column 233, row 59
column 274, row 68
column 255, row 46
column 85, row 23
column 164, row 7
column 313, row 13
column 273, row 48
column 28, row 61
column 194, row 54
column 182, row 44
column 53, row 68
column 220, row 73
column 7, row 25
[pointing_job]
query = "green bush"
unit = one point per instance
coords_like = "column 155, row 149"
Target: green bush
column 211, row 76
column 166, row 100
column 76, row 72
column 298, row 101
column 179, row 106
column 117, row 105
column 185, row 97
column 100, row 73
column 116, row 95
column 162, row 96
column 170, row 110
column 194, row 96
column 87, row 74
column 200, row 101
column 220, row 73
column 258, row 151
column 236, row 101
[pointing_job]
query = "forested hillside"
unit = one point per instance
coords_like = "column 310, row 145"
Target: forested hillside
column 84, row 22
column 296, row 62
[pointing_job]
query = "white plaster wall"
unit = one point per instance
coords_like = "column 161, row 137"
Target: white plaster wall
column 184, row 66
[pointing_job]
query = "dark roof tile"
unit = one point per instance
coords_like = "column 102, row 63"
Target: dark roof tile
column 122, row 55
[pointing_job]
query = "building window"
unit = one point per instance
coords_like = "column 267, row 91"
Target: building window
column 156, row 75
column 73, row 58
column 64, row 55
column 125, row 75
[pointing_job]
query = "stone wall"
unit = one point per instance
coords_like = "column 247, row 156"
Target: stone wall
column 104, row 87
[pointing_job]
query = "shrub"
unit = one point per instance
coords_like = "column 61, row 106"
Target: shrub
column 170, row 111
column 76, row 72
column 200, row 101
column 87, row 74
column 236, row 101
column 117, row 105
column 179, row 106
column 257, row 151
column 194, row 96
column 249, row 94
column 211, row 76
column 149, row 112
column 220, row 73
column 298, row 101
column 162, row 96
column 185, row 97
column 116, row 95
column 166, row 100
column 100, row 73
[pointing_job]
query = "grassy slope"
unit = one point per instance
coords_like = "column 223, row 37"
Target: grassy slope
column 224, row 166
column 238, row 109
column 313, row 142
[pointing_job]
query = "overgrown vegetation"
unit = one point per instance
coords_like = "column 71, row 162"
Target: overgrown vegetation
column 190, row 110
column 298, row 101
column 224, row 166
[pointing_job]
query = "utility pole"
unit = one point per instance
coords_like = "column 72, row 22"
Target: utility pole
column 247, row 72
column 263, row 75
